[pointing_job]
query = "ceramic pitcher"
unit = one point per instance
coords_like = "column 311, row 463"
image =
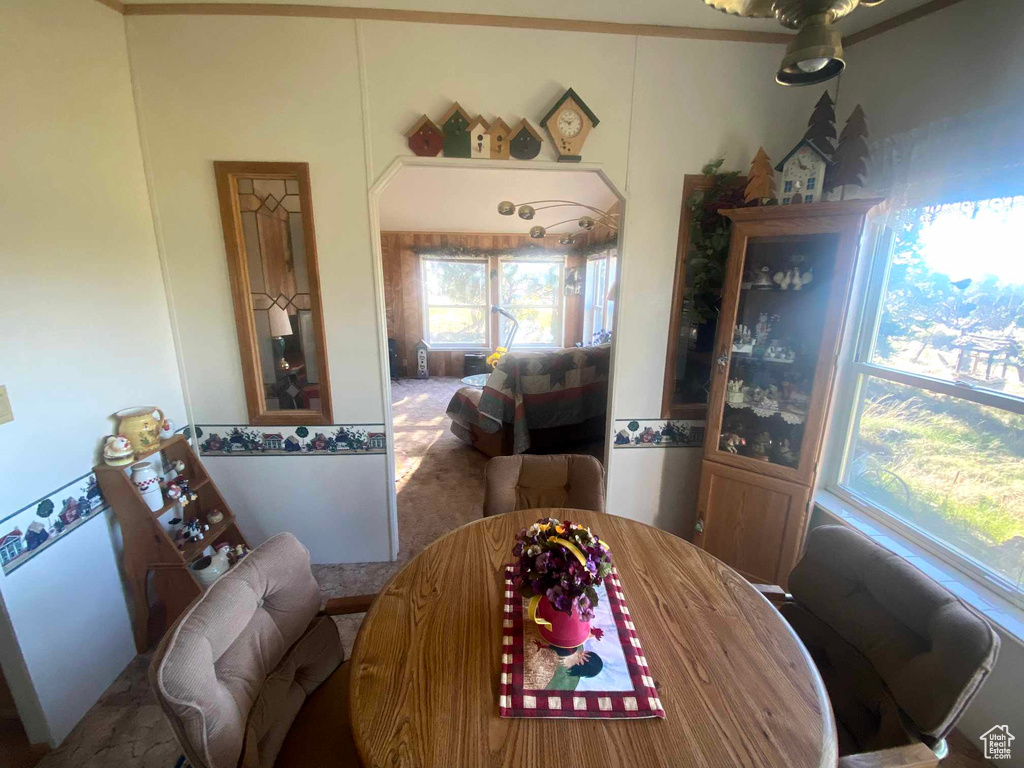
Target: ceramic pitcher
column 141, row 425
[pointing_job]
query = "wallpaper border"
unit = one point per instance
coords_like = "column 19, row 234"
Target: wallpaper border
column 658, row 433
column 236, row 440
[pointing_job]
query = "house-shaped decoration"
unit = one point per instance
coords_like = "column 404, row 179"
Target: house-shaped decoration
column 10, row 546
column 456, row 138
column 997, row 740
column 569, row 122
column 422, row 367
column 376, row 440
column 524, row 143
column 69, row 513
column 803, row 173
column 479, row 139
column 499, row 133
column 425, row 138
column 273, row 441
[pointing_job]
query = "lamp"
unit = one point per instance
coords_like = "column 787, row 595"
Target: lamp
column 816, row 53
column 586, row 223
column 814, row 56
column 280, row 326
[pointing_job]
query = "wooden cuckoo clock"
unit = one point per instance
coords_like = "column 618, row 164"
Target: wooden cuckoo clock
column 569, row 122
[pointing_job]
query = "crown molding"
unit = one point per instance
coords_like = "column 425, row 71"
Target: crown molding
column 897, row 21
column 114, row 5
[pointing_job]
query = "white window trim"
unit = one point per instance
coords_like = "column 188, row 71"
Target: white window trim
column 865, row 309
column 558, row 306
column 456, row 346
column 606, row 306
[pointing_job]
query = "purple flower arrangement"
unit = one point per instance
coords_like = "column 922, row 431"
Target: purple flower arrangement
column 562, row 561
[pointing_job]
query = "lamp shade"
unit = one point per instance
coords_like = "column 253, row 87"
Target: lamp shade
column 814, row 56
column 280, row 325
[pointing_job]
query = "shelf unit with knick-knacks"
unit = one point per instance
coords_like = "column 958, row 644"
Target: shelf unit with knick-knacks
column 153, row 556
column 784, row 299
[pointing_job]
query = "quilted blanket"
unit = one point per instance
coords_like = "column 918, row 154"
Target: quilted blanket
column 537, row 390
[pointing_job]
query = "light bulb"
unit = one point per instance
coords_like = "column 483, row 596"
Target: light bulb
column 537, row 232
column 506, row 208
column 812, row 65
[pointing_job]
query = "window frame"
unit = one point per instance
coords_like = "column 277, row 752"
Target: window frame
column 853, row 370
column 558, row 307
column 486, row 306
column 606, row 306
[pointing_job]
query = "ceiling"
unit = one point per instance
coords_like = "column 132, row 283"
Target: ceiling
column 679, row 13
column 435, row 199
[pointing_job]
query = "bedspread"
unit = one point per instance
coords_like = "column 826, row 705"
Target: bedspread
column 537, row 390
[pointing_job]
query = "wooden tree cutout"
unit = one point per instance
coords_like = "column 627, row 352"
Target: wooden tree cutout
column 821, row 127
column 761, row 179
column 850, row 166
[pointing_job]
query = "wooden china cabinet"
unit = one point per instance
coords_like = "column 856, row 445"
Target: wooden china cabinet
column 784, row 299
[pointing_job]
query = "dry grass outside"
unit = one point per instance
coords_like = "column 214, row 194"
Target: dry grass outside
column 952, row 467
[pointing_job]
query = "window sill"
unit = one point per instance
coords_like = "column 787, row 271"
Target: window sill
column 993, row 606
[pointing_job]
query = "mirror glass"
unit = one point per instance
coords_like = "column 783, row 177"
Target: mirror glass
column 271, row 211
column 267, row 215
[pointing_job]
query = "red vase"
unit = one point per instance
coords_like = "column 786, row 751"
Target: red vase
column 567, row 630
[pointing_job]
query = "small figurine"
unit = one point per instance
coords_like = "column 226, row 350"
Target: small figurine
column 762, row 329
column 762, row 279
column 118, row 451
column 742, row 340
column 215, row 517
column 786, row 454
column 166, row 430
column 177, row 468
column 782, row 279
column 762, row 444
column 187, row 494
column 173, row 491
column 734, row 392
column 730, row 442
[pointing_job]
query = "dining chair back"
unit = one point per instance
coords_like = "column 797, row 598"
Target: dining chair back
column 900, row 655
column 526, row 482
column 246, row 659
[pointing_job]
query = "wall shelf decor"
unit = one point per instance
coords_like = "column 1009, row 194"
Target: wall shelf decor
column 774, row 358
column 152, row 555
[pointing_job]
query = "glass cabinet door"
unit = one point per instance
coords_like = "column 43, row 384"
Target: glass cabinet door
column 781, row 317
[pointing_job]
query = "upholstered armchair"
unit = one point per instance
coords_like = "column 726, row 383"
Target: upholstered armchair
column 251, row 674
column 901, row 656
column 526, row 482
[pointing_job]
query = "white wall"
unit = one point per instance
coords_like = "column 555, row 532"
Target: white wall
column 230, row 88
column 85, row 333
column 961, row 59
column 289, row 89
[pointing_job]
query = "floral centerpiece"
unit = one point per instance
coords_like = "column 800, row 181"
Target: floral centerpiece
column 560, row 566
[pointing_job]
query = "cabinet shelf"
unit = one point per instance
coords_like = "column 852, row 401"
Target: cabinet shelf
column 150, row 557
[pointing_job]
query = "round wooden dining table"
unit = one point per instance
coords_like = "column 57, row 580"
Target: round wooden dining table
column 737, row 686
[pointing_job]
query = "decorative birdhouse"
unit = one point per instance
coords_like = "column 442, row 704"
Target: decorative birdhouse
column 421, row 350
column 569, row 122
column 456, row 138
column 525, row 141
column 425, row 138
column 479, row 139
column 499, row 133
column 803, row 173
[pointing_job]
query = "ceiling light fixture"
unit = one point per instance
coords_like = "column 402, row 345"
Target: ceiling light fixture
column 816, row 53
column 586, row 223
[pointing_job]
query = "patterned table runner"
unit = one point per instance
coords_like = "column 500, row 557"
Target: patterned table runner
column 606, row 677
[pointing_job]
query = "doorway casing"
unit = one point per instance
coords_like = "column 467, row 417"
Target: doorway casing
column 375, row 194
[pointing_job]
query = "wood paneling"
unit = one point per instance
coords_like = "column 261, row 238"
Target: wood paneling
column 737, row 685
column 403, row 294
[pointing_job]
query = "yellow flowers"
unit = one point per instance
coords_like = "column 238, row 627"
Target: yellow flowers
column 494, row 358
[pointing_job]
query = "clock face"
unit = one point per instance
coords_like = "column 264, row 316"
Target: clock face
column 570, row 123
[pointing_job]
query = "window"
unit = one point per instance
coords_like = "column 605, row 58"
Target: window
column 810, row 182
column 532, row 291
column 936, row 434
column 455, row 306
column 788, row 187
column 809, row 199
column 599, row 302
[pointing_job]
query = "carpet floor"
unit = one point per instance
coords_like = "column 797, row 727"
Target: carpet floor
column 440, row 486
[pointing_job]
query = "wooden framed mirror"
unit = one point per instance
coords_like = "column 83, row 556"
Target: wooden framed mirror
column 267, row 213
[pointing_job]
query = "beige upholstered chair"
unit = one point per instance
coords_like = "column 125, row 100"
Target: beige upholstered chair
column 901, row 656
column 251, row 674
column 526, row 482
